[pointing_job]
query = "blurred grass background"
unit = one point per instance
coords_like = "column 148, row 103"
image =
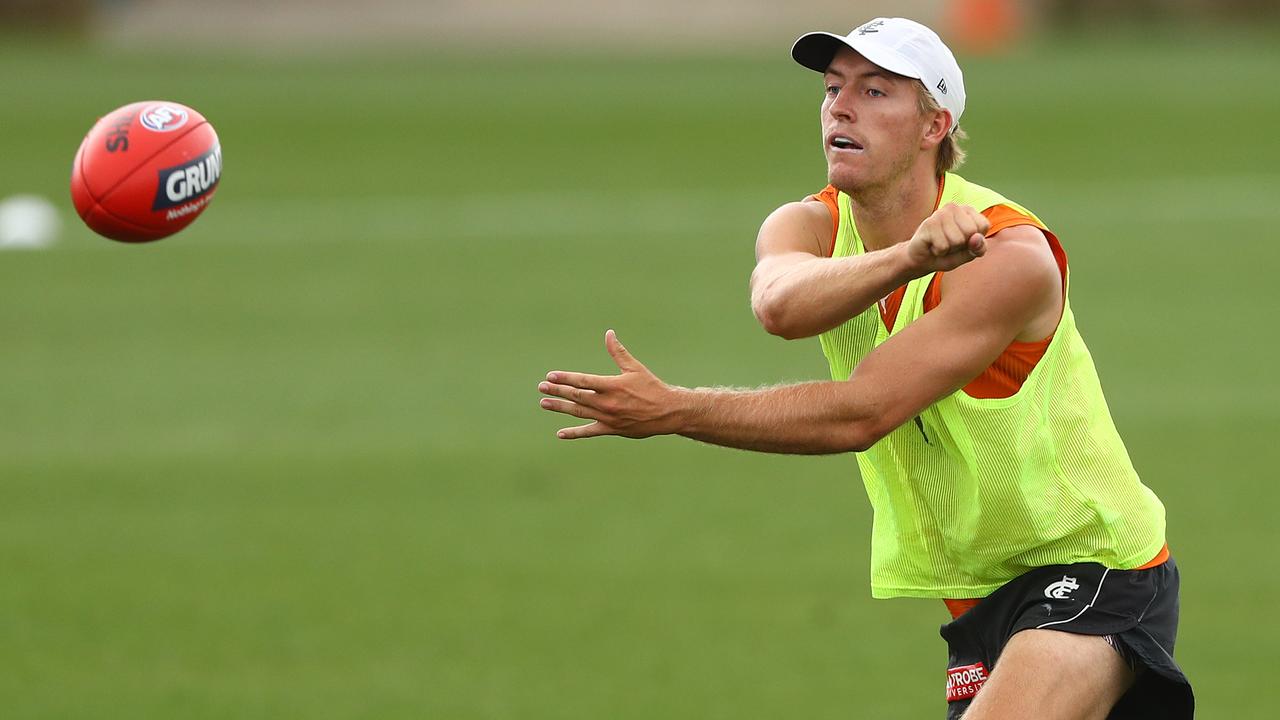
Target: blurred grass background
column 290, row 463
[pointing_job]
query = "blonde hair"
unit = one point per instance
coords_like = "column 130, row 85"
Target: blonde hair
column 950, row 154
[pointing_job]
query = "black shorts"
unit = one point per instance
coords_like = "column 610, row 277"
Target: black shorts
column 1137, row 610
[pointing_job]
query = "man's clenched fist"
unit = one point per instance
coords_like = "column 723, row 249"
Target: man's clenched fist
column 950, row 237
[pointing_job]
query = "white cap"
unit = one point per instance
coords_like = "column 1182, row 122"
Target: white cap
column 898, row 45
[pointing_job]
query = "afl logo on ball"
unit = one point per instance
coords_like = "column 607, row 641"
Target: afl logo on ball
column 163, row 118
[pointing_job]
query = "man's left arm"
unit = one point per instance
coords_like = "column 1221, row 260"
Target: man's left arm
column 986, row 305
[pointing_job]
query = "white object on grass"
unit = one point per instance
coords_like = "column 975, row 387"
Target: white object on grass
column 28, row 221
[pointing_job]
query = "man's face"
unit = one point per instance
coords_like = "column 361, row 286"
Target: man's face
column 871, row 123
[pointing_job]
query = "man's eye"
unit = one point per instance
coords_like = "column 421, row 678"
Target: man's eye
column 833, row 90
column 873, row 92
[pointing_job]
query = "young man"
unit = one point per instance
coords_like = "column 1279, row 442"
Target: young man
column 997, row 477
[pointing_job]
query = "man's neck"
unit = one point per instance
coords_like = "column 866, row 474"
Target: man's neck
column 889, row 214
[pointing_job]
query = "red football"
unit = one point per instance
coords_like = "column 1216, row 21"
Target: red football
column 145, row 171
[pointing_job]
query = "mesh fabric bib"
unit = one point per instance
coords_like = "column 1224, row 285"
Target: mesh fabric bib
column 978, row 491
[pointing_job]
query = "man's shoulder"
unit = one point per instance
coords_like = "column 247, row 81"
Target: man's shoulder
column 812, row 219
column 820, row 210
column 807, row 210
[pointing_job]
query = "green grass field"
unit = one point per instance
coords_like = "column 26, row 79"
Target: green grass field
column 289, row 463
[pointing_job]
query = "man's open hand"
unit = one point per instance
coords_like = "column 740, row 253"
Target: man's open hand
column 634, row 403
column 950, row 237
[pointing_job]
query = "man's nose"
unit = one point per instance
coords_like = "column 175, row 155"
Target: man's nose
column 841, row 108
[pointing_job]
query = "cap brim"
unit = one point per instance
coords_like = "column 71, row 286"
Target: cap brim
column 816, row 49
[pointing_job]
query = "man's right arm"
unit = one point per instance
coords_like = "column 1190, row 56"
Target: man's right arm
column 798, row 290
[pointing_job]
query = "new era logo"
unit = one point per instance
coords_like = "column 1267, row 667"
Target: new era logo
column 871, row 27
column 942, row 86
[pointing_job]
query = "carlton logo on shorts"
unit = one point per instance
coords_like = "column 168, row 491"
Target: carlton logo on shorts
column 1062, row 589
column 163, row 118
column 965, row 681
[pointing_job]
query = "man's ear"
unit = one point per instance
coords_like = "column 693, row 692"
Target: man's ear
column 936, row 129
